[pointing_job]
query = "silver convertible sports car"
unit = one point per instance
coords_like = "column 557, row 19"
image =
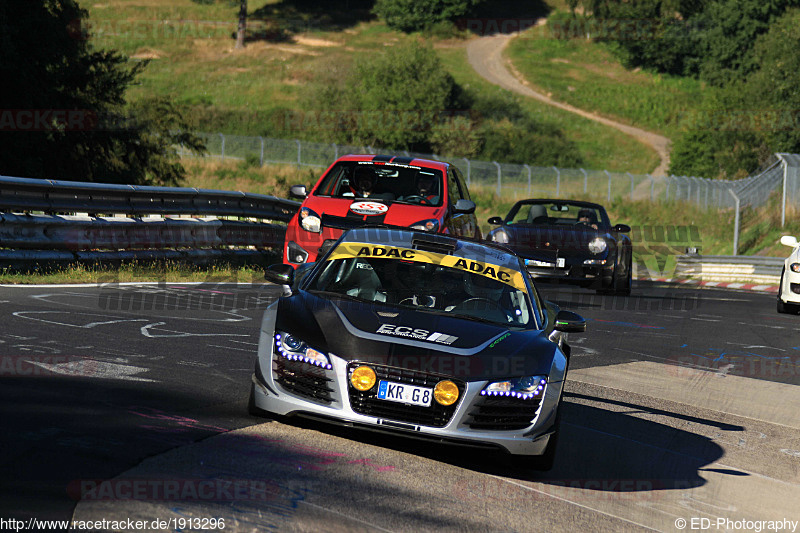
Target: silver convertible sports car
column 418, row 334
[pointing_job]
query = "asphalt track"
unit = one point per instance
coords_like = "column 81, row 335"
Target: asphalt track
column 129, row 402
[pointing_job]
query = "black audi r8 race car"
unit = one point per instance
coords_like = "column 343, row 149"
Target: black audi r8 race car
column 420, row 334
column 569, row 241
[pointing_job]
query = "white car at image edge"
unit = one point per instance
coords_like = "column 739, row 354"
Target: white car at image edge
column 789, row 288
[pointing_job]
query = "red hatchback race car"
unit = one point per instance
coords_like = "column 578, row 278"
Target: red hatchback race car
column 359, row 190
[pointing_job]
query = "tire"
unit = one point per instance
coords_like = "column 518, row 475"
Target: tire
column 624, row 288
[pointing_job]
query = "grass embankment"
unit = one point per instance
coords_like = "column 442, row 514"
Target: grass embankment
column 136, row 273
column 587, row 75
column 192, row 61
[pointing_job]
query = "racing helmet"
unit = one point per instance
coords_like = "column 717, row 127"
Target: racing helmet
column 426, row 184
column 587, row 214
column 364, row 178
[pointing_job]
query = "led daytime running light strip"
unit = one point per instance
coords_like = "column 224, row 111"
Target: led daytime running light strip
column 297, row 357
column 519, row 395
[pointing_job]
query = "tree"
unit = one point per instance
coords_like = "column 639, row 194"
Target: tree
column 401, row 95
column 64, row 110
column 415, row 15
column 242, row 28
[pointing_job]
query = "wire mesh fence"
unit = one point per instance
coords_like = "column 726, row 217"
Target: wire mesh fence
column 523, row 181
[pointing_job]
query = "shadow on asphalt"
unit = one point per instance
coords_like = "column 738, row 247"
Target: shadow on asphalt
column 598, row 450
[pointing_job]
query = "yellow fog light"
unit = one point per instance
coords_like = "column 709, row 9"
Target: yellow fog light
column 446, row 392
column 363, row 378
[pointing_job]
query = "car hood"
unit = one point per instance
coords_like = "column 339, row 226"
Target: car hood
column 414, row 340
column 337, row 212
column 533, row 241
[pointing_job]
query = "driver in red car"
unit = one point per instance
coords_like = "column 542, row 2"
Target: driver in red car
column 426, row 190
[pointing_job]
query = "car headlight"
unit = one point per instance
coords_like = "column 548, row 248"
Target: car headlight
column 795, row 267
column 598, row 245
column 292, row 348
column 525, row 388
column 310, row 221
column 426, row 225
column 500, row 236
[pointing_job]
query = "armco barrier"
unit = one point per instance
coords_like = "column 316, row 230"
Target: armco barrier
column 39, row 227
column 32, row 232
column 752, row 269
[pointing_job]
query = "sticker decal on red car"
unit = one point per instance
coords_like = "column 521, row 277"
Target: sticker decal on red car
column 368, row 208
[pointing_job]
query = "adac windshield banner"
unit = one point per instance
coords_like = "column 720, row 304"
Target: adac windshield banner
column 357, row 249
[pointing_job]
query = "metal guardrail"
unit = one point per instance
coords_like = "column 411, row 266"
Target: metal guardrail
column 753, row 269
column 35, row 232
column 30, row 238
column 52, row 196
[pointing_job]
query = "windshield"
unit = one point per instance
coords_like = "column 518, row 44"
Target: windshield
column 427, row 281
column 561, row 213
column 387, row 182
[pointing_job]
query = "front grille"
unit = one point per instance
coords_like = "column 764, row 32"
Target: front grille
column 344, row 223
column 503, row 413
column 435, row 415
column 302, row 379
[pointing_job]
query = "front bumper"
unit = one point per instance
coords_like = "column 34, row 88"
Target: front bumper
column 790, row 287
column 572, row 271
column 327, row 395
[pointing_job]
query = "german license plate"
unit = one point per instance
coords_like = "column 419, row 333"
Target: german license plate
column 560, row 263
column 403, row 393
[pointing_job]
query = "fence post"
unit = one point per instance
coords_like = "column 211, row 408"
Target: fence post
column 335, row 151
column 585, row 181
column 499, row 177
column 783, row 198
column 668, row 180
column 735, row 223
column 222, row 156
column 261, row 160
column 631, row 175
column 468, row 171
column 652, row 186
column 558, row 182
column 299, row 151
column 529, row 178
column 609, row 185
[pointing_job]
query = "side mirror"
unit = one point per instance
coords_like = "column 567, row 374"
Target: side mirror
column 788, row 240
column 569, row 322
column 497, row 221
column 280, row 274
column 465, row 206
column 298, row 191
column 622, row 228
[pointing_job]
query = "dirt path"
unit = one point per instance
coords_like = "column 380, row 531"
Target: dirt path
column 486, row 57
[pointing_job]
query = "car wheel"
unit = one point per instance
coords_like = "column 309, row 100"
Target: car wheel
column 624, row 288
column 545, row 461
